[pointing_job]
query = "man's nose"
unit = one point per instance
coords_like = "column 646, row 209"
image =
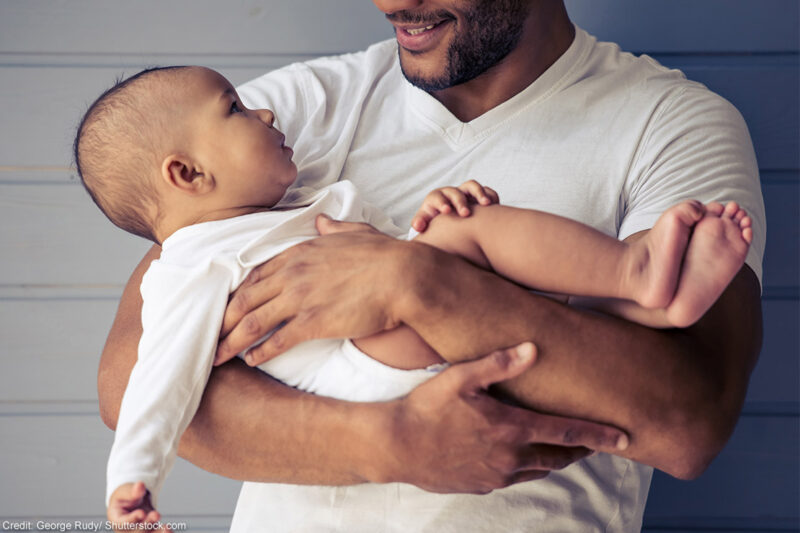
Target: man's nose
column 390, row 6
column 266, row 116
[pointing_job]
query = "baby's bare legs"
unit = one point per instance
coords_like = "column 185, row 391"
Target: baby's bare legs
column 555, row 254
column 667, row 278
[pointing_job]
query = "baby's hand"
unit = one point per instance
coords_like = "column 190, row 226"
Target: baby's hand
column 452, row 199
column 130, row 504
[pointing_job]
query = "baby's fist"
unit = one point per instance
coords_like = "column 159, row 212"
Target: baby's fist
column 130, row 504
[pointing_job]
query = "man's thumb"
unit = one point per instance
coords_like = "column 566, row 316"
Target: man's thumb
column 499, row 366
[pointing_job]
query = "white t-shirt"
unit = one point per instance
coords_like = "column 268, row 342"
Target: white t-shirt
column 602, row 137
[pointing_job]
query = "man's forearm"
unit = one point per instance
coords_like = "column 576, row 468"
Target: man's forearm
column 677, row 392
column 232, row 443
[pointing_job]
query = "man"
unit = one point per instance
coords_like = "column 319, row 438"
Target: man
column 507, row 92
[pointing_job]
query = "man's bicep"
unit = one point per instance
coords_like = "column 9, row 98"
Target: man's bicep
column 120, row 350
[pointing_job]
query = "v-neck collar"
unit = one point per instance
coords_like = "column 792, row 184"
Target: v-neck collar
column 460, row 134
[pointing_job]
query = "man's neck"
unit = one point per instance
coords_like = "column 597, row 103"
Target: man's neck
column 548, row 33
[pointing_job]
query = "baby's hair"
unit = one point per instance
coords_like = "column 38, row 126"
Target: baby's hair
column 116, row 149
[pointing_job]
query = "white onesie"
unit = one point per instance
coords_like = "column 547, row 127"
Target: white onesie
column 185, row 293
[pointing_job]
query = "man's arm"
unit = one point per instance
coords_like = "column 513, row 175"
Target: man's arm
column 678, row 392
column 251, row 427
column 696, row 380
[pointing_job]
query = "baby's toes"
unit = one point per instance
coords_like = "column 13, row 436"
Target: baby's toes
column 696, row 208
column 747, row 235
column 730, row 210
column 686, row 213
column 714, row 208
column 745, row 222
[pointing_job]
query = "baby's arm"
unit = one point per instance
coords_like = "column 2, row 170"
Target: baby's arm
column 181, row 317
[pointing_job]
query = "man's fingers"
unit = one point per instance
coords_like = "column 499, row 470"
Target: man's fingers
column 292, row 333
column 498, row 366
column 259, row 288
column 571, row 432
column 252, row 327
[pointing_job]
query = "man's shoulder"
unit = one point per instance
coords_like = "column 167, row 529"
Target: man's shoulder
column 641, row 82
column 641, row 76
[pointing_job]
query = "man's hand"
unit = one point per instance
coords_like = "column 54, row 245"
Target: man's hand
column 341, row 285
column 450, row 435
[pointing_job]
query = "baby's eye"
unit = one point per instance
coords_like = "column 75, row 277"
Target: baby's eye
column 236, row 108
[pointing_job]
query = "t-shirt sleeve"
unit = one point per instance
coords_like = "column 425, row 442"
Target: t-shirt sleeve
column 696, row 147
column 181, row 319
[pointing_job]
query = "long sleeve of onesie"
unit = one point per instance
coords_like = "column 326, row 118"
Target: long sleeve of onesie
column 184, row 302
column 181, row 318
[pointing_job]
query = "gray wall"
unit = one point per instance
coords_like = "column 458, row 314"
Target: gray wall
column 62, row 266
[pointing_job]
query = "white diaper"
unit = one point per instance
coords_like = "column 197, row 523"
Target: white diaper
column 338, row 369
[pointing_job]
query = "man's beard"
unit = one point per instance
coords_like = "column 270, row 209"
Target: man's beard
column 494, row 28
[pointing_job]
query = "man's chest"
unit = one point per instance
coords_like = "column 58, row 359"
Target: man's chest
column 570, row 172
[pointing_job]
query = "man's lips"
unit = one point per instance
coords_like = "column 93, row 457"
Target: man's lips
column 420, row 36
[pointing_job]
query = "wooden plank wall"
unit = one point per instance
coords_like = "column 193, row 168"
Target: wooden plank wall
column 62, row 266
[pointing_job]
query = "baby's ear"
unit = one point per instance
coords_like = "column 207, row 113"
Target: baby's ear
column 181, row 173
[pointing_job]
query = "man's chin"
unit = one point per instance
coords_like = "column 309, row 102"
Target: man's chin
column 425, row 79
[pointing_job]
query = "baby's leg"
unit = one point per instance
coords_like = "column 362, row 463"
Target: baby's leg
column 715, row 254
column 400, row 347
column 555, row 254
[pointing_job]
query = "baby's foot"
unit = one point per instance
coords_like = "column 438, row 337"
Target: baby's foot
column 715, row 254
column 658, row 255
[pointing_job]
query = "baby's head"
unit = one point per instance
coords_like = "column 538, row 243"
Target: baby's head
column 173, row 146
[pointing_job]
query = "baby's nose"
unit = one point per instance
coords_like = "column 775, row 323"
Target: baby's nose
column 267, row 116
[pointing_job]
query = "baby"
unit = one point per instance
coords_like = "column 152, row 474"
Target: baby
column 172, row 155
